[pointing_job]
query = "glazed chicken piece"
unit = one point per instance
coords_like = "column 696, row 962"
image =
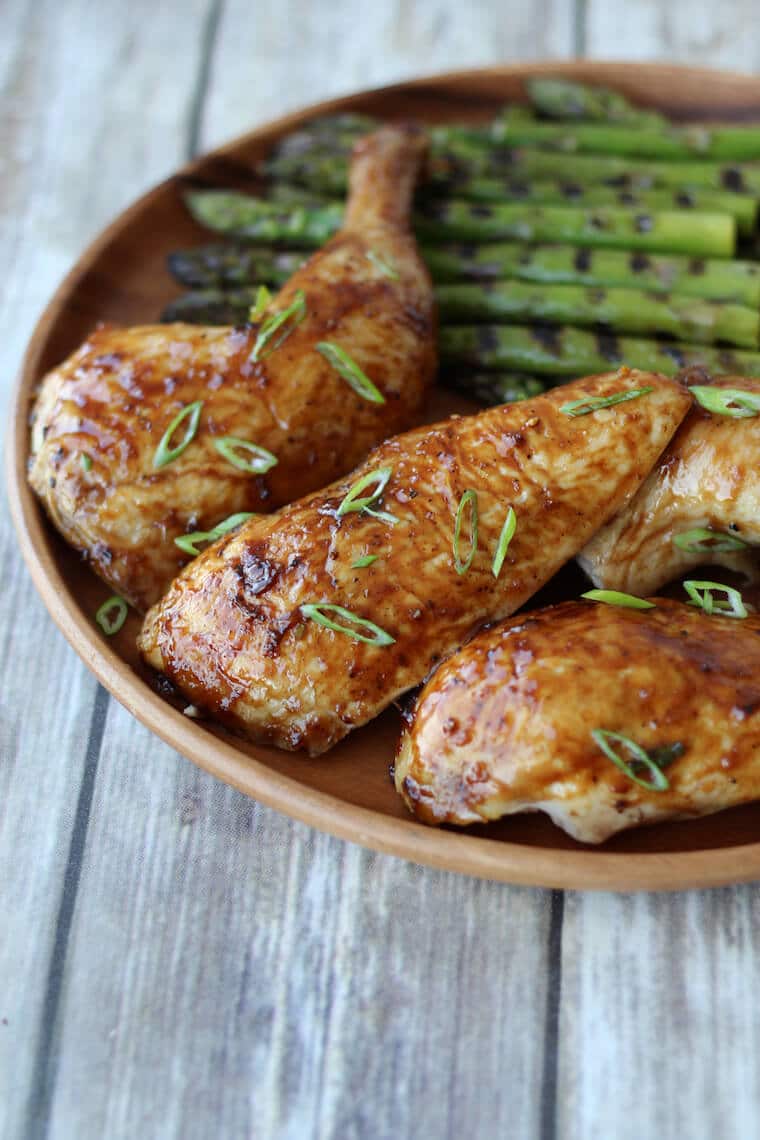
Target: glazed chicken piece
column 252, row 630
column 100, row 417
column 505, row 725
column 707, row 480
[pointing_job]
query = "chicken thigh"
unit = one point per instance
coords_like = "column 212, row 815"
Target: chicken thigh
column 701, row 504
column 506, row 724
column 309, row 622
column 269, row 411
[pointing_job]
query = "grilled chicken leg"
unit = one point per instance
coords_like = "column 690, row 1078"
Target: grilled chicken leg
column 101, row 415
column 709, row 480
column 251, row 632
column 505, row 725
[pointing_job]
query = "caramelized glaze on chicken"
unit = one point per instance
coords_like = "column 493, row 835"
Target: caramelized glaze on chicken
column 708, row 479
column 100, row 416
column 505, row 725
column 232, row 632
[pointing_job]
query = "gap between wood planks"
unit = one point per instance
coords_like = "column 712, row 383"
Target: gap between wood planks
column 48, row 1046
column 47, row 1052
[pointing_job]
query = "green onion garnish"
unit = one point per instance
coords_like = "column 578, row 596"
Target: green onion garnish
column 701, row 594
column 659, row 781
column 471, row 498
column 86, row 462
column 384, row 266
column 292, row 316
column 703, row 540
column 260, row 459
column 733, row 402
column 594, row 403
column 263, row 297
column 317, row 612
column 351, row 502
column 507, row 531
column 616, row 598
column 188, row 542
column 167, row 454
column 365, row 560
column 112, row 615
column 350, row 371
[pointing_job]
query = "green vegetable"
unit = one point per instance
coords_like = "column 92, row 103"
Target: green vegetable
column 350, row 371
column 290, row 317
column 589, row 404
column 318, row 611
column 189, row 542
column 260, row 460
column 701, row 594
column 365, row 560
column 469, row 498
column 704, row 540
column 616, row 598
column 640, row 759
column 112, row 615
column 384, row 266
column 352, row 501
column 263, row 297
column 165, row 453
column 507, row 532
column 734, row 402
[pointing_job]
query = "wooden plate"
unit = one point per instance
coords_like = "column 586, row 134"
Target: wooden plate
column 122, row 277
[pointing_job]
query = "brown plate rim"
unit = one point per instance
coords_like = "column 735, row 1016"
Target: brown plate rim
column 467, row 854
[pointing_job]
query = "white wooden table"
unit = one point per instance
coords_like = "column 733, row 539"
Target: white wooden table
column 177, row 961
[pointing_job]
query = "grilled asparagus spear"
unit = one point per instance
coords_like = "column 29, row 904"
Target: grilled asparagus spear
column 700, row 235
column 545, row 350
column 232, row 264
column 506, row 302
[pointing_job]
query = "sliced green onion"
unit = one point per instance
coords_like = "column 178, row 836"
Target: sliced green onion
column 703, row 540
column 616, row 598
column 659, row 781
column 260, row 459
column 86, row 462
column 351, row 502
column 471, row 498
column 701, row 594
column 733, row 402
column 594, row 403
column 365, row 560
column 317, row 612
column 188, row 542
column 292, row 317
column 165, row 453
column 386, row 516
column 350, row 371
column 384, row 266
column 263, row 297
column 507, row 531
column 112, row 615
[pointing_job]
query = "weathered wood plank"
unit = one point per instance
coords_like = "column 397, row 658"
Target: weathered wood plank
column 232, row 973
column 74, row 148
column 307, row 52
column 229, row 972
column 681, row 31
column 658, row 1027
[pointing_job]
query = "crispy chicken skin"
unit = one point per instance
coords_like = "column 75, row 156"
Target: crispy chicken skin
column 709, row 477
column 230, row 632
column 505, row 724
column 112, row 401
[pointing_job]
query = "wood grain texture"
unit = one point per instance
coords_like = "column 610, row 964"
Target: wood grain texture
column 659, row 1034
column 69, row 161
column 226, row 972
column 233, row 973
column 684, row 31
column 306, row 52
